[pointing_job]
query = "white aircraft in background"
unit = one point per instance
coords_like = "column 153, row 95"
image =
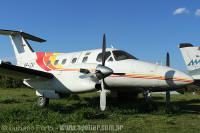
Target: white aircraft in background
column 55, row 75
column 191, row 55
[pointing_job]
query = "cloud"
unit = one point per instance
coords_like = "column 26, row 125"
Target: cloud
column 197, row 13
column 181, row 11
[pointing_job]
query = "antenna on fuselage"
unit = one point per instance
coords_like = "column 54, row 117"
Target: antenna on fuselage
column 111, row 46
column 159, row 62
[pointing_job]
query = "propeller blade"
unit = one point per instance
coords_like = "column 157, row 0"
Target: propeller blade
column 102, row 96
column 103, row 50
column 167, row 92
column 167, row 60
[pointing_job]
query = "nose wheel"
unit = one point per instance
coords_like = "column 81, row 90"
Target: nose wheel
column 42, row 101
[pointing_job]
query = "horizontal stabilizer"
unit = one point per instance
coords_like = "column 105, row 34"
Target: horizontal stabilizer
column 22, row 72
column 25, row 35
column 183, row 45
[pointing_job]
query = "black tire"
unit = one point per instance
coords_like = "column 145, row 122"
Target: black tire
column 42, row 101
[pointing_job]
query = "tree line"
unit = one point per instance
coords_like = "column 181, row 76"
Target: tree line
column 7, row 82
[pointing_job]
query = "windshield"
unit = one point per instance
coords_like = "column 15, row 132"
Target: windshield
column 122, row 55
column 99, row 57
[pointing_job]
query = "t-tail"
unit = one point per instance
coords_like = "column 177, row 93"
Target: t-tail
column 22, row 49
column 191, row 56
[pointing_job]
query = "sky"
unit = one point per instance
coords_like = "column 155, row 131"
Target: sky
column 147, row 29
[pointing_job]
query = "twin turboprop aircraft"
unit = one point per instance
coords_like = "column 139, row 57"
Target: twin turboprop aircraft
column 55, row 75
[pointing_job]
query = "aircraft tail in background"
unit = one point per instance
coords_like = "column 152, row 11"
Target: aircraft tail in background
column 191, row 56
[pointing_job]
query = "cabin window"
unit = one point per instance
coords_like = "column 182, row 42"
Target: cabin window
column 48, row 63
column 85, row 59
column 74, row 60
column 56, row 62
column 122, row 55
column 64, row 61
column 111, row 59
column 99, row 57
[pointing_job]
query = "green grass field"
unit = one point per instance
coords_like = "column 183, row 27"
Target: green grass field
column 81, row 113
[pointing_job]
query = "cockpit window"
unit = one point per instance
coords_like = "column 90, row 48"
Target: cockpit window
column 122, row 55
column 85, row 59
column 99, row 57
column 111, row 59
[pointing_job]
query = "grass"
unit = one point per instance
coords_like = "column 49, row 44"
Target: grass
column 19, row 112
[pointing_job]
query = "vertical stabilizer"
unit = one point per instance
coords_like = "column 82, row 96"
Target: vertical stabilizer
column 22, row 49
column 191, row 56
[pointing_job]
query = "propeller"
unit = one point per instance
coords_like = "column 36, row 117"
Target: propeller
column 101, row 72
column 181, row 91
column 107, row 72
column 167, row 92
column 167, row 60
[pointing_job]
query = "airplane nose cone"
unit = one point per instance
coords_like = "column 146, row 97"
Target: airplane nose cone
column 177, row 78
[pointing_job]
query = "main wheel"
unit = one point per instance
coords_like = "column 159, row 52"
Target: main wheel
column 42, row 101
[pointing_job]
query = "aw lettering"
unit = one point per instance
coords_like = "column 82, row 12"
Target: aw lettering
column 194, row 62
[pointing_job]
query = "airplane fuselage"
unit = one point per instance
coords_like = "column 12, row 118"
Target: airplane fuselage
column 136, row 73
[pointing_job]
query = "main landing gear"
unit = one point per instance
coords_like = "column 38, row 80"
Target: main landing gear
column 42, row 101
column 147, row 95
column 167, row 97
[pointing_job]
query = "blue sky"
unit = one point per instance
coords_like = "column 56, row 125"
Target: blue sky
column 145, row 28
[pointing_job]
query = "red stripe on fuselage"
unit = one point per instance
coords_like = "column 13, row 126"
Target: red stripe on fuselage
column 40, row 62
column 149, row 77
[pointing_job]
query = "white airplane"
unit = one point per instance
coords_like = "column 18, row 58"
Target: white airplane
column 55, row 75
column 191, row 55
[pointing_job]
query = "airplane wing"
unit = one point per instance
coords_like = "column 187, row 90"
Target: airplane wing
column 22, row 72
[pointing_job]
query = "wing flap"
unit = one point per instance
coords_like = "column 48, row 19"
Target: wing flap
column 22, row 72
